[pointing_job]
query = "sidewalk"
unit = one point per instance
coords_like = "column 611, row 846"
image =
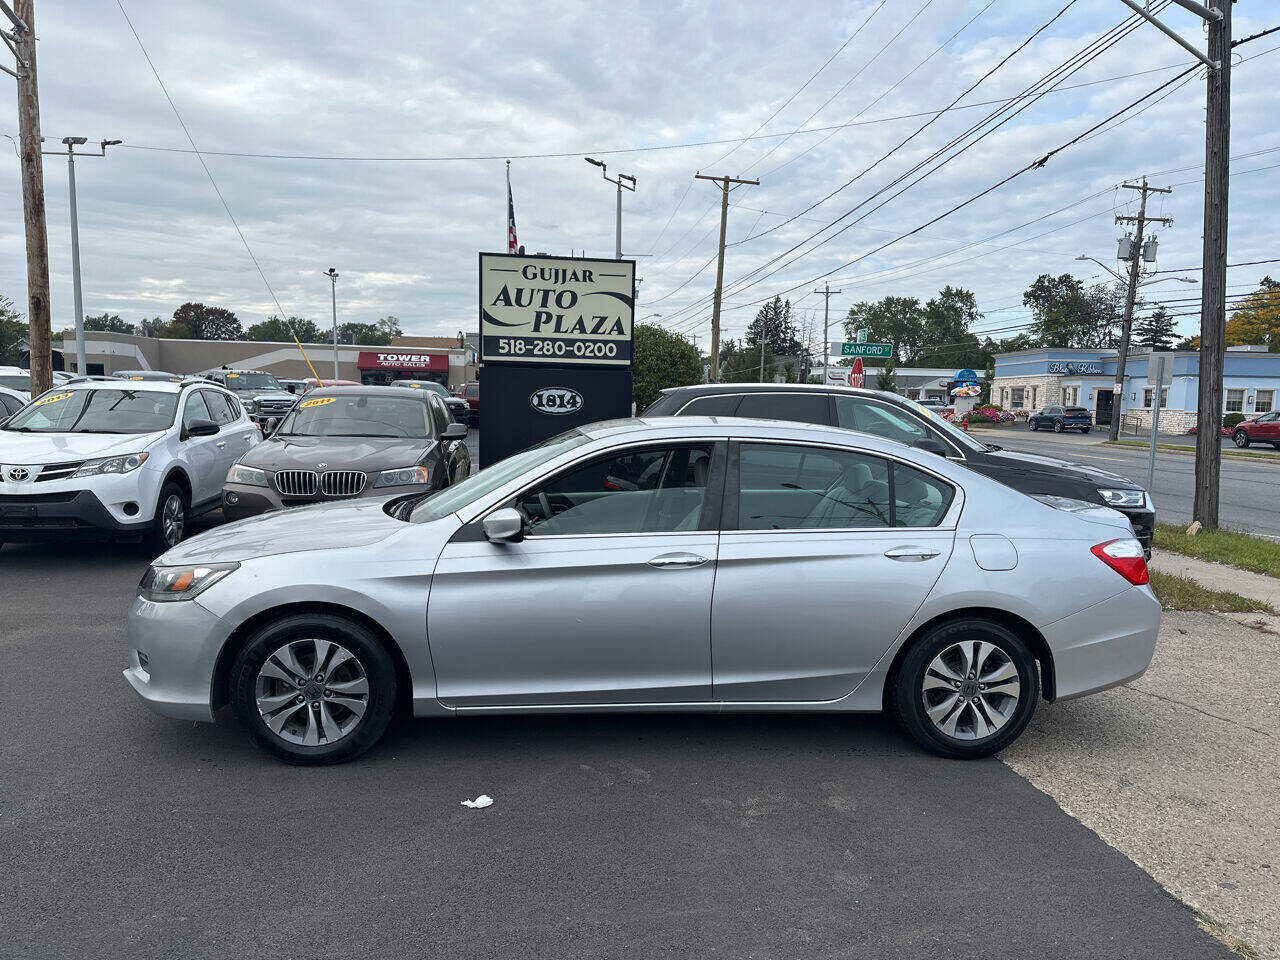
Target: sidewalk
column 1219, row 576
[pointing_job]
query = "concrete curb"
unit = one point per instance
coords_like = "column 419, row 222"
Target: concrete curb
column 1219, row 576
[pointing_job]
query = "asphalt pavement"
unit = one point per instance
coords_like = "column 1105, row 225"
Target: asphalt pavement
column 123, row 834
column 1249, row 493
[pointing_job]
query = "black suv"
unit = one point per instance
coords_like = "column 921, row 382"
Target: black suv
column 896, row 418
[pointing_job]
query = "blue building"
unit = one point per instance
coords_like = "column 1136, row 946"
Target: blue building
column 1046, row 376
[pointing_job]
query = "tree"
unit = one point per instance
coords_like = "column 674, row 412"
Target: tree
column 195, row 321
column 275, row 330
column 885, row 380
column 1155, row 330
column 1066, row 313
column 1257, row 320
column 13, row 331
column 945, row 337
column 389, row 327
column 372, row 334
column 741, row 363
column 773, row 325
column 661, row 359
column 150, row 327
column 896, row 320
column 110, row 323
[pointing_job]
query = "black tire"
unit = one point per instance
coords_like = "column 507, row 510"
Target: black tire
column 373, row 659
column 1057, row 426
column 1085, row 429
column 1241, row 439
column 159, row 536
column 906, row 695
column 1033, row 425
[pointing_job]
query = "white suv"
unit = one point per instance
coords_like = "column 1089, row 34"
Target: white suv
column 131, row 459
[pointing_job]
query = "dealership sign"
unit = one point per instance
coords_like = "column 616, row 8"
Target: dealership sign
column 372, row 360
column 1062, row 366
column 556, row 310
column 556, row 400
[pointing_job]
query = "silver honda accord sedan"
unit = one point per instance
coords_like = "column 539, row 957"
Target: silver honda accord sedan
column 700, row 564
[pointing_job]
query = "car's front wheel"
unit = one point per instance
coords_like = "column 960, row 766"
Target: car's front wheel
column 1033, row 425
column 169, row 525
column 1241, row 439
column 966, row 689
column 314, row 688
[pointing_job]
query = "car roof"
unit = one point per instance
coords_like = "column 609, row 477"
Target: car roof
column 161, row 386
column 368, row 389
column 738, row 427
column 718, row 388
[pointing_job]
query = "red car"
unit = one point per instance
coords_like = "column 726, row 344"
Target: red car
column 1262, row 429
column 471, row 394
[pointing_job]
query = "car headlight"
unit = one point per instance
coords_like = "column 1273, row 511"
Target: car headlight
column 1124, row 498
column 167, row 584
column 402, row 476
column 250, row 406
column 125, row 464
column 252, row 476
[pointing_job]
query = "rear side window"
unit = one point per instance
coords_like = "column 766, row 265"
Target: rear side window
column 720, row 406
column 919, row 499
column 801, row 407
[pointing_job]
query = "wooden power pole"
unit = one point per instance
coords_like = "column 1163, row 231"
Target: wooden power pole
column 22, row 38
column 1131, row 294
column 826, row 292
column 715, row 309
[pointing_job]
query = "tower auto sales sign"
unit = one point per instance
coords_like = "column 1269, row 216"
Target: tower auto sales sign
column 556, row 310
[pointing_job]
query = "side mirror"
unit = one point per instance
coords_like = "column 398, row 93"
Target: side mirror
column 930, row 445
column 269, row 427
column 201, row 428
column 455, row 431
column 504, row 526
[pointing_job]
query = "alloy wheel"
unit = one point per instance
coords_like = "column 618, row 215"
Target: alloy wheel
column 312, row 692
column 173, row 519
column 971, row 689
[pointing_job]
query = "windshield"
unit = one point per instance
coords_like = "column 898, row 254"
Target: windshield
column 16, row 381
column 96, row 411
column 950, row 429
column 456, row 496
column 252, row 381
column 358, row 415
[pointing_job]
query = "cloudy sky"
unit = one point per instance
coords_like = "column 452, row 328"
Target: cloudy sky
column 400, row 85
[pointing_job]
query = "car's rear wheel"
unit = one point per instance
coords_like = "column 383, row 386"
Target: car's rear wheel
column 1241, row 439
column 966, row 689
column 1057, row 426
column 314, row 688
column 1084, row 429
column 169, row 525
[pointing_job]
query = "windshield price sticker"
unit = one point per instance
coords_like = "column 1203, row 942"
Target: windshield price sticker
column 231, row 376
column 56, row 398
column 558, row 310
column 317, row 402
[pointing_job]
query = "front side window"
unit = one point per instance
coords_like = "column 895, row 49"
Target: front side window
column 96, row 411
column 1264, row 401
column 221, row 411
column 440, row 414
column 196, row 409
column 1235, row 401
column 799, row 407
column 471, row 391
column 880, row 420
column 358, row 415
column 791, row 487
column 659, row 490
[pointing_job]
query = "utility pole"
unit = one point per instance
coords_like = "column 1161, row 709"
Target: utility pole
column 715, row 309
column 77, row 294
column 332, row 274
column 1213, row 309
column 1135, row 266
column 826, row 292
column 21, row 39
column 629, row 185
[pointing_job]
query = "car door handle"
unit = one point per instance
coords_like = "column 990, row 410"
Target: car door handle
column 677, row 560
column 911, row 554
column 221, row 443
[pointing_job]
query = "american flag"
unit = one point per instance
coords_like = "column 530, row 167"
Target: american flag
column 512, row 245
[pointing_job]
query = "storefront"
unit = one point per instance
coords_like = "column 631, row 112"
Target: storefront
column 384, row 366
column 1031, row 379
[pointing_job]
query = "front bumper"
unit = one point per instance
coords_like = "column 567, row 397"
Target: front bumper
column 1105, row 645
column 60, row 513
column 180, row 643
column 240, row 500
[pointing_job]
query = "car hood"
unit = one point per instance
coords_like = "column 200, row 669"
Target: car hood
column 18, row 447
column 326, row 526
column 264, row 394
column 1016, row 460
column 369, row 454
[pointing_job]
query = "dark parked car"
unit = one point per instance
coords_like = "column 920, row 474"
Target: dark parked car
column 345, row 442
column 1058, row 419
column 896, row 418
column 471, row 394
column 1263, row 429
column 459, row 408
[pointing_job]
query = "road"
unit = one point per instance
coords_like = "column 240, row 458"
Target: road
column 1249, row 493
column 126, row 834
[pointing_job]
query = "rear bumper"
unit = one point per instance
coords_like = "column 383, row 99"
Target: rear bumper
column 41, row 516
column 1108, row 644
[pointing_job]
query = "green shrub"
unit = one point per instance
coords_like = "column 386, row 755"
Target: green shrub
column 1232, row 420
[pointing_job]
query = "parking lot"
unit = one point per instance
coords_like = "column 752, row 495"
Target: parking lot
column 125, row 834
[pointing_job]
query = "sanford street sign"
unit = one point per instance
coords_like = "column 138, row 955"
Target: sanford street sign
column 881, row 350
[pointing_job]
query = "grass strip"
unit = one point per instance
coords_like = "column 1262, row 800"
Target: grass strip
column 1183, row 593
column 1222, row 546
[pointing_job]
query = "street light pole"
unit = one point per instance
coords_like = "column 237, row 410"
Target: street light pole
column 76, row 289
column 630, row 185
column 332, row 274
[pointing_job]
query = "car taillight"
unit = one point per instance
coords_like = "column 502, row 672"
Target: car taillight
column 1125, row 557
